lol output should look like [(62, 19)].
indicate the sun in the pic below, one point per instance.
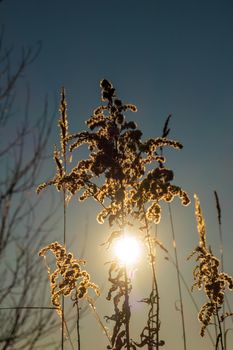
[(127, 250)]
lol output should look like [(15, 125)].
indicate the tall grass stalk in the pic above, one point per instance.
[(77, 319), (63, 125), (220, 337), (178, 276), (64, 242), (126, 301), (154, 284), (127, 311), (226, 301), (165, 132), (219, 213)]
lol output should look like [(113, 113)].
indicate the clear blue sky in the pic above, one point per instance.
[(164, 56)]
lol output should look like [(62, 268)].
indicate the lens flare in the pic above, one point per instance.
[(127, 250)]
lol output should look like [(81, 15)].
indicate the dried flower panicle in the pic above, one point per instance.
[(68, 275), (207, 274), (59, 156), (119, 157), (63, 122)]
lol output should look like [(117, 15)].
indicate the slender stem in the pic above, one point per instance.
[(220, 331), (127, 310), (218, 207), (150, 321), (157, 311), (155, 284), (178, 276), (216, 331), (126, 302), (105, 330), (150, 346), (157, 302), (64, 241), (155, 287), (78, 321), (68, 334), (190, 294)]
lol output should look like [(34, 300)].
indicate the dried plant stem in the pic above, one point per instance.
[(78, 320), (219, 212), (64, 241), (216, 331), (220, 335), (154, 280), (64, 130), (218, 207), (178, 276), (126, 302), (157, 301), (127, 311), (157, 308), (155, 287)]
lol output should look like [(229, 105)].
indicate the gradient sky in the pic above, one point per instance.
[(166, 57)]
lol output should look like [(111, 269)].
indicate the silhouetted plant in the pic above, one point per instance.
[(119, 157), (117, 175), (207, 276)]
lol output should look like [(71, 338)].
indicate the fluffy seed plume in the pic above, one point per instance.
[(68, 275)]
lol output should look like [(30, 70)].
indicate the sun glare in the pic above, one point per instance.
[(127, 250)]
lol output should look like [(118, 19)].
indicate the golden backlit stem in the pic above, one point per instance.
[(178, 276), (127, 310), (127, 307), (63, 126), (219, 212), (78, 319)]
